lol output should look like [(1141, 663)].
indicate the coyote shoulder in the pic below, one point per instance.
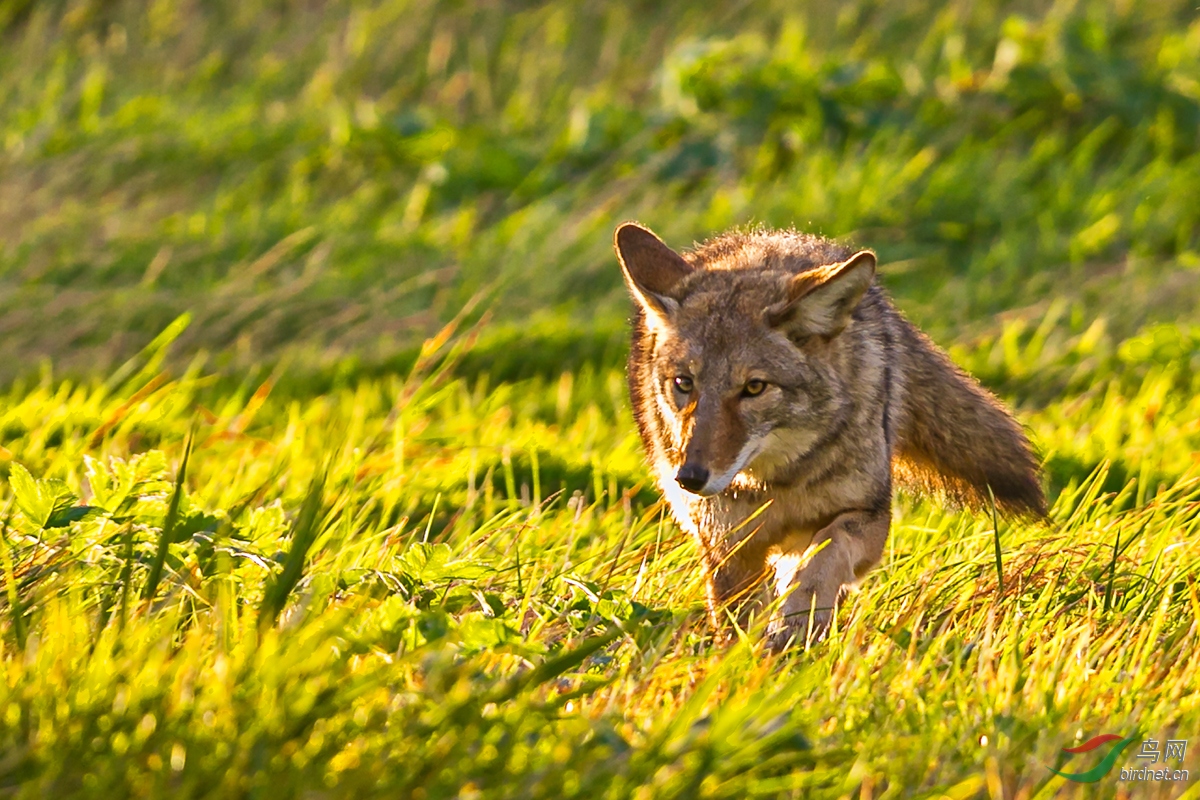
[(770, 375)]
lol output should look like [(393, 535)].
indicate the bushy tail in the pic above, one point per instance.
[(956, 437)]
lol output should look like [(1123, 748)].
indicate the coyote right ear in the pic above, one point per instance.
[(652, 270)]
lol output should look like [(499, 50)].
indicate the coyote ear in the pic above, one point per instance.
[(652, 270), (820, 301)]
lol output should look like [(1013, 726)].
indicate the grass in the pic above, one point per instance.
[(281, 519)]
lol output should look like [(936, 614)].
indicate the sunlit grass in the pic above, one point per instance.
[(424, 585)]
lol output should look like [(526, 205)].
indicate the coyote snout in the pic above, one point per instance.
[(770, 375), (693, 477), (715, 435)]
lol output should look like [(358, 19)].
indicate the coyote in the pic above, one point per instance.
[(778, 392)]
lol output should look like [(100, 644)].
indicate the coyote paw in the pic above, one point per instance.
[(795, 630)]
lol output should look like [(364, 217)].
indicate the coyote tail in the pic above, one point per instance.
[(956, 437)]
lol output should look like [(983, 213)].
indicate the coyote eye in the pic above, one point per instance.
[(754, 388), (683, 384)]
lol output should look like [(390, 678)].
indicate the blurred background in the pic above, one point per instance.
[(328, 183)]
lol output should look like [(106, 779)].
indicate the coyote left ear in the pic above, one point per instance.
[(652, 270), (820, 301)]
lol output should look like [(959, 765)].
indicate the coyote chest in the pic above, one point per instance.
[(777, 393)]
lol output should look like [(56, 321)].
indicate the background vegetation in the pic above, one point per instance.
[(320, 479)]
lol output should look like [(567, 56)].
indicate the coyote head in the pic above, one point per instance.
[(743, 349)]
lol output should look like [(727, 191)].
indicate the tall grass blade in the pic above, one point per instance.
[(126, 574), (150, 358), (304, 533), (996, 542), (16, 608), (1112, 574), (169, 522)]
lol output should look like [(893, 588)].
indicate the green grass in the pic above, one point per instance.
[(429, 583), (281, 519)]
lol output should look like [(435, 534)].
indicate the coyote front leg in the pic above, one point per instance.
[(735, 574), (811, 580)]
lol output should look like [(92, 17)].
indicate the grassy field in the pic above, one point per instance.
[(319, 477)]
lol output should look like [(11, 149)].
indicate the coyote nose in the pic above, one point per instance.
[(692, 477)]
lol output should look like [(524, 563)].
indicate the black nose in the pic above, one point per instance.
[(692, 477)]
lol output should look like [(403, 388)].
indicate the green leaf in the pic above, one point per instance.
[(425, 562), (64, 516), (478, 634), (28, 494), (431, 564), (42, 502)]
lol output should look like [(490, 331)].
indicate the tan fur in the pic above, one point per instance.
[(771, 376)]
